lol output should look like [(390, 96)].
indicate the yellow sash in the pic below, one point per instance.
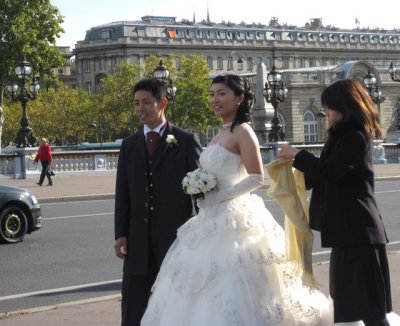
[(288, 188)]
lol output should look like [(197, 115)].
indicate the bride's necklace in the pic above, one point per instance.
[(226, 125)]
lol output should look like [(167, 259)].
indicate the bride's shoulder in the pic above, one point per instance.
[(243, 130)]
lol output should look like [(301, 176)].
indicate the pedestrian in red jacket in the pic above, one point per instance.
[(45, 157)]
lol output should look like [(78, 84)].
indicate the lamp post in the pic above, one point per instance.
[(95, 125), (23, 70), (371, 85), (392, 72), (239, 58), (275, 93), (162, 74)]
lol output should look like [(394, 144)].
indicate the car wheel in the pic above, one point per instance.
[(13, 224)]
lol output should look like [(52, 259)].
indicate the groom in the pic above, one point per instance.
[(150, 204)]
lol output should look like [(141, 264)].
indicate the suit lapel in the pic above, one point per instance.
[(141, 147)]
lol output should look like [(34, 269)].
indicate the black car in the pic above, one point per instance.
[(20, 214)]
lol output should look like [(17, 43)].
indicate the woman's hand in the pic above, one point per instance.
[(288, 152)]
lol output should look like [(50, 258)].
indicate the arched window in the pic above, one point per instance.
[(282, 122), (310, 127)]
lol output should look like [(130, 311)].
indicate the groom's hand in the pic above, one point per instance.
[(120, 247)]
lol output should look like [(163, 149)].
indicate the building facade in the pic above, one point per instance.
[(308, 57)]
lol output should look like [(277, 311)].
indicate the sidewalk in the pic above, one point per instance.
[(105, 311), (102, 185)]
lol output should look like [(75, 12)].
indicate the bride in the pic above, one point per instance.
[(228, 265)]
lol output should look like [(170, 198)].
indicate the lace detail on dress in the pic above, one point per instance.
[(231, 259)]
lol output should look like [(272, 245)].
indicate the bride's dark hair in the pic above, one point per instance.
[(240, 86)]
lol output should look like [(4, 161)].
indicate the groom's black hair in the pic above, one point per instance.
[(152, 85)]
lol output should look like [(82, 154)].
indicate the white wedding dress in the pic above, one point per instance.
[(228, 266)]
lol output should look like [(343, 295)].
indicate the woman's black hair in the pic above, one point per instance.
[(353, 101), (240, 86)]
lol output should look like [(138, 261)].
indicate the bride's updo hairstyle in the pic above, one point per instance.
[(240, 86)]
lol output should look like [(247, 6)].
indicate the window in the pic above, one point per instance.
[(102, 64), (310, 127), (230, 63), (116, 61), (210, 63), (250, 63), (286, 62), (220, 63), (282, 122), (86, 64), (268, 62), (141, 32), (106, 34), (88, 86)]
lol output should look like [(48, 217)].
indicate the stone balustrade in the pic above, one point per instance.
[(20, 164)]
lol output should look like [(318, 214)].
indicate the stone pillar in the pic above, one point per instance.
[(263, 111), (27, 155), (393, 133)]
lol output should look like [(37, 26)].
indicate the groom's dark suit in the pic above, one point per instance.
[(150, 206)]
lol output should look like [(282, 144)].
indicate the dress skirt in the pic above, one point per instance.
[(359, 283)]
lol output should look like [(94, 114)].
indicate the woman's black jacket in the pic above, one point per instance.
[(343, 207)]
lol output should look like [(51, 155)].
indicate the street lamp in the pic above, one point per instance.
[(239, 58), (23, 70), (162, 74), (392, 72), (370, 84), (95, 125), (275, 93)]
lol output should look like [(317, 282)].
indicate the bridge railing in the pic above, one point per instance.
[(20, 165)]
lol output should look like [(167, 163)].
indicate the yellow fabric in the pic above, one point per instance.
[(288, 188)]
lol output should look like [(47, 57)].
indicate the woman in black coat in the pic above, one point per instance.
[(343, 207)]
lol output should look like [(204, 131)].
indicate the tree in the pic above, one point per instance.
[(191, 108), (61, 114), (113, 102), (28, 30)]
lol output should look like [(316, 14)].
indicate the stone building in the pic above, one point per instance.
[(308, 57)]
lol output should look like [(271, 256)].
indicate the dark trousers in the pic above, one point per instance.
[(135, 294), (45, 169)]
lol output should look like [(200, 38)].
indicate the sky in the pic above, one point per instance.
[(81, 15)]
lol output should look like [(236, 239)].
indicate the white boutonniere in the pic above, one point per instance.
[(171, 141)]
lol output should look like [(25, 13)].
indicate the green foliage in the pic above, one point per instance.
[(28, 29), (63, 115), (113, 103), (192, 109), (59, 114)]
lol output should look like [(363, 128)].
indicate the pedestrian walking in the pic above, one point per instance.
[(46, 158)]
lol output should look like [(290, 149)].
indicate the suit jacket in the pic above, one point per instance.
[(343, 207), (150, 204)]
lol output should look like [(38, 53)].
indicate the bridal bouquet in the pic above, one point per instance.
[(198, 182)]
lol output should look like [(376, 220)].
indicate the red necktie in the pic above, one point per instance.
[(152, 139)]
